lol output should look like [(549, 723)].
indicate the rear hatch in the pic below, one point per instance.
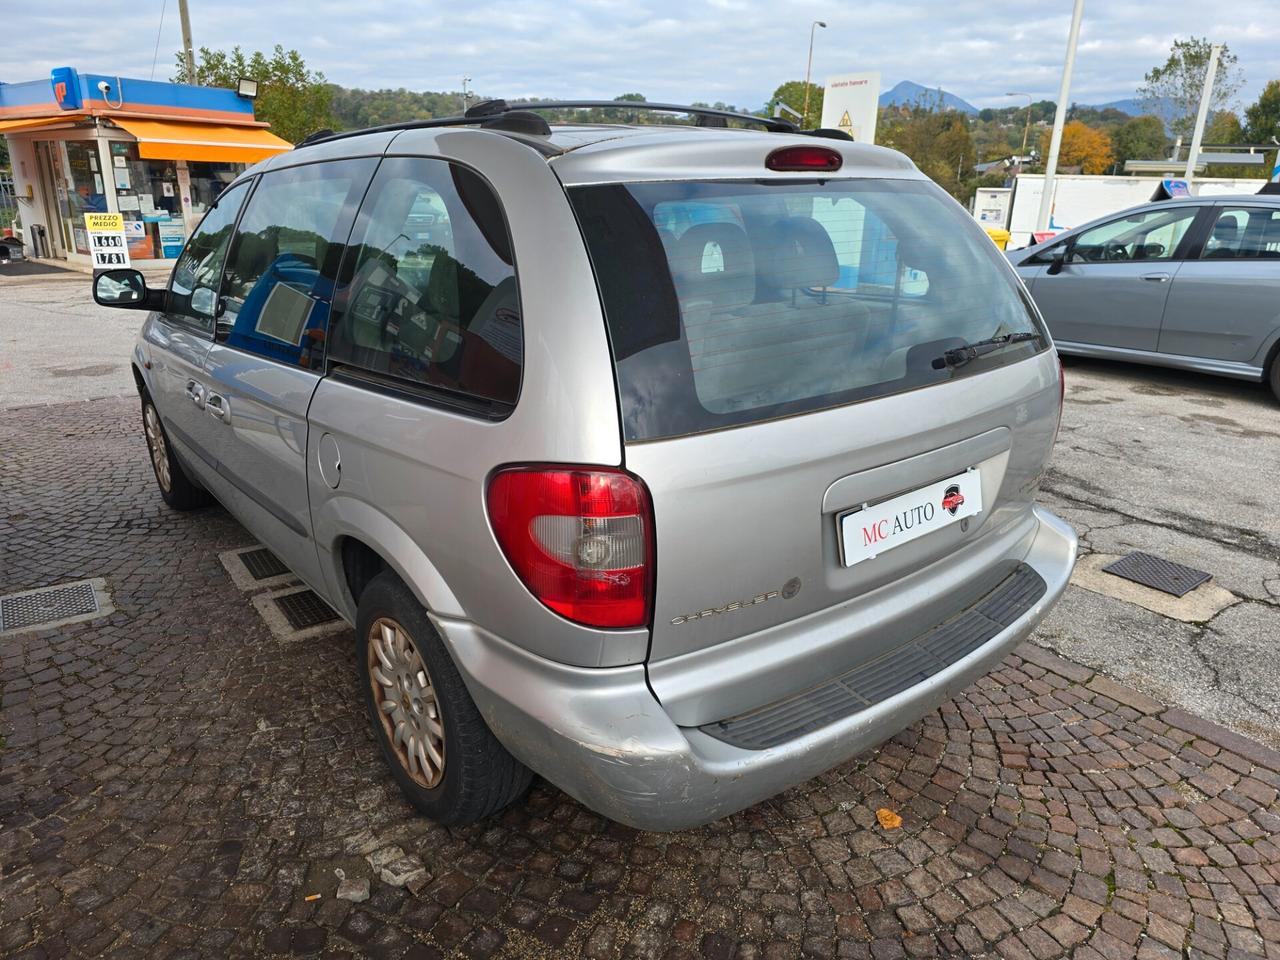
[(796, 395)]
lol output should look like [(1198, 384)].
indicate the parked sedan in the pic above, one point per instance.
[(1191, 283)]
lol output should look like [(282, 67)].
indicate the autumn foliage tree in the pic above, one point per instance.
[(1083, 147), (296, 101)]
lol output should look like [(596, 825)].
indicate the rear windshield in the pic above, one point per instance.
[(734, 302)]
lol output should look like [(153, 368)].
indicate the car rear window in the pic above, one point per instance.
[(730, 303)]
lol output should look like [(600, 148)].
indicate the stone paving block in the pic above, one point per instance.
[(159, 796)]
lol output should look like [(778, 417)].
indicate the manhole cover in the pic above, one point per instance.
[(53, 606), (1157, 573), (262, 564), (304, 609)]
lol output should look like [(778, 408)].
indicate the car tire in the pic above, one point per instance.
[(178, 490), (1274, 376), (443, 756)]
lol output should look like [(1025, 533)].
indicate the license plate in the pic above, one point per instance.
[(870, 531)]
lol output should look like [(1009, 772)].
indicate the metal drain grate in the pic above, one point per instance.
[(262, 563), (304, 609), (1157, 573), (48, 605)]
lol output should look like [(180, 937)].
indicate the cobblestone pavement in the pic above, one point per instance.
[(174, 782)]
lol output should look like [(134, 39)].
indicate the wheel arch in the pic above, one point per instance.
[(363, 541)]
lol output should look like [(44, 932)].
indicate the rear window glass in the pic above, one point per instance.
[(732, 303)]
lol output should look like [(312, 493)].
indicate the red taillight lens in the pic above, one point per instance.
[(809, 159), (580, 540)]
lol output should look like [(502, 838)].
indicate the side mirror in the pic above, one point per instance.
[(125, 288), (1058, 260)]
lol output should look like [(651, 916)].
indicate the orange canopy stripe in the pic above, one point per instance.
[(209, 142), (37, 123)]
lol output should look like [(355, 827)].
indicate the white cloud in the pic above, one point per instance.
[(732, 50)]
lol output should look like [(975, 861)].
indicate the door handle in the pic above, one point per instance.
[(1156, 277), (218, 407), (195, 393)]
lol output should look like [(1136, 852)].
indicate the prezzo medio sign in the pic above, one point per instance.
[(106, 240)]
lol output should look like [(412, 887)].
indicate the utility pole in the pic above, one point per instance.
[(1059, 120), (1026, 129), (465, 97), (1205, 96), (188, 53), (809, 68)]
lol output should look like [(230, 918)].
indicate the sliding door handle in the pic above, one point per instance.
[(218, 407)]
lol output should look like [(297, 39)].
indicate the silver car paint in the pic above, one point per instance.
[(1211, 316), (573, 702), (601, 736), (426, 469)]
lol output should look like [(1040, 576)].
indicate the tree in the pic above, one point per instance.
[(1173, 91), (1262, 120), (1083, 147), (1141, 138), (937, 141), (1224, 127), (791, 93), (294, 100)]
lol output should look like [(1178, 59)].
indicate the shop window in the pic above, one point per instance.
[(85, 190), (148, 198), (280, 274), (208, 180)]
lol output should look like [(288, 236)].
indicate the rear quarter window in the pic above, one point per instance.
[(729, 303)]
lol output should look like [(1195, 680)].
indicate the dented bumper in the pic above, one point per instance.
[(601, 736)]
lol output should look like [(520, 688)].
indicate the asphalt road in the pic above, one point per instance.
[(57, 345), (1180, 465)]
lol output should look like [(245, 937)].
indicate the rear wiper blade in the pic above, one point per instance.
[(958, 356)]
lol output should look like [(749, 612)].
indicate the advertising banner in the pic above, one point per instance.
[(851, 102), (172, 238)]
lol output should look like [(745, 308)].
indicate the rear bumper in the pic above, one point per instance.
[(600, 735)]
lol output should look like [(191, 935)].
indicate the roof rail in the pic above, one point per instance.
[(486, 112), (772, 124)]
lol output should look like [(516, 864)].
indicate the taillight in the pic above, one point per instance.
[(807, 159), (581, 540)]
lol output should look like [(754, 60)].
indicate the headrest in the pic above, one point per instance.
[(1226, 229), (713, 261), (798, 253)]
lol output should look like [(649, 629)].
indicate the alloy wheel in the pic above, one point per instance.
[(156, 445), (406, 702)]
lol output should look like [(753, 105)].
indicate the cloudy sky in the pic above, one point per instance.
[(732, 50)]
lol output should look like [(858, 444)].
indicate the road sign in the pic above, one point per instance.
[(106, 240), (850, 103)]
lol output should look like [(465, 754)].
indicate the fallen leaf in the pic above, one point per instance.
[(888, 819)]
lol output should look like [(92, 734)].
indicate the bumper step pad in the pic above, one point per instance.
[(871, 683)]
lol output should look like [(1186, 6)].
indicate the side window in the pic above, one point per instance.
[(430, 289), (193, 291), (284, 259), (1244, 233), (1150, 235)]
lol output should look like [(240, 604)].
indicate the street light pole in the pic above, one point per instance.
[(809, 68), (1059, 120), (1026, 130)]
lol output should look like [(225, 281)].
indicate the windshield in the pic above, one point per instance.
[(734, 302)]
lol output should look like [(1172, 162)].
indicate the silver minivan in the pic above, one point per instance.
[(678, 463)]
